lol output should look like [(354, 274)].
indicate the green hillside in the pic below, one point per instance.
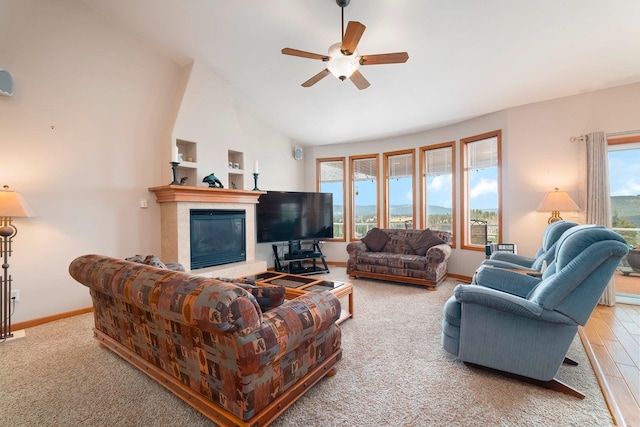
[(626, 208)]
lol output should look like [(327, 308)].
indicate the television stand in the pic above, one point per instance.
[(300, 258)]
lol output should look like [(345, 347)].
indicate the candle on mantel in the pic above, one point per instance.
[(255, 167), (174, 153)]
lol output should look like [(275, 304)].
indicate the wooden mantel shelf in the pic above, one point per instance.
[(185, 193)]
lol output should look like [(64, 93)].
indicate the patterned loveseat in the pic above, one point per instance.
[(208, 341), (399, 261)]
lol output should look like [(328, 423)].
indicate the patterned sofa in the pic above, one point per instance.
[(398, 261), (208, 341)]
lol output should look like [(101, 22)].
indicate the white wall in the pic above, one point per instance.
[(537, 156), (88, 131)]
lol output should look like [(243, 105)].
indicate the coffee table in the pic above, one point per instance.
[(297, 285)]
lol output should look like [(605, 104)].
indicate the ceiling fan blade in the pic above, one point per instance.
[(303, 54), (359, 80), (351, 37), (384, 58), (315, 79)]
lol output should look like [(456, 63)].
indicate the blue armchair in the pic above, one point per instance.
[(546, 252), (526, 334)]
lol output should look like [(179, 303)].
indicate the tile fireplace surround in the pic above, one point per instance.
[(176, 202)]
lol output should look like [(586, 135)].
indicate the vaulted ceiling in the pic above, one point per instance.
[(466, 58)]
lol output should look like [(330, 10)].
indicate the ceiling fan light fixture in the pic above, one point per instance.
[(340, 65)]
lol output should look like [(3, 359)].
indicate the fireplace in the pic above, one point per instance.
[(218, 236), (177, 202)]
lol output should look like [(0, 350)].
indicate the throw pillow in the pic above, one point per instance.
[(423, 241), (375, 240), (155, 262), (268, 297)]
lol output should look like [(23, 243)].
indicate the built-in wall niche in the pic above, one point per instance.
[(236, 169), (187, 156)]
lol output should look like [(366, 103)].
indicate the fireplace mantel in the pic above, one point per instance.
[(176, 202), (185, 193)]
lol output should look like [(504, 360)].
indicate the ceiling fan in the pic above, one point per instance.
[(343, 60)]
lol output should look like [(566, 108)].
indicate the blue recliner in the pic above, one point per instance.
[(544, 255), (527, 335)]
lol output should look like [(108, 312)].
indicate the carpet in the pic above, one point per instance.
[(394, 372)]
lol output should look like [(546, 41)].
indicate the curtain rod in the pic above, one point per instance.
[(583, 137)]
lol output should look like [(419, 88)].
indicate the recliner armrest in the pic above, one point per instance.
[(508, 303), (508, 257), (505, 280)]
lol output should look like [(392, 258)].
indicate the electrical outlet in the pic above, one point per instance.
[(15, 295)]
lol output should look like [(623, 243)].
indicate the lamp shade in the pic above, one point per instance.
[(13, 205), (558, 201)]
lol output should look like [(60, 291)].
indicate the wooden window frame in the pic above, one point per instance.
[(352, 193), (464, 203), (344, 192), (423, 186), (385, 188)]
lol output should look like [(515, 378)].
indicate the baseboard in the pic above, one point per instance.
[(47, 319), (337, 263), (459, 277), (609, 398)]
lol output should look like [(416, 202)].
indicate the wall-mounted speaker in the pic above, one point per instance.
[(297, 153), (6, 83)]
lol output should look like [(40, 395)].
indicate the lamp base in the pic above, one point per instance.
[(555, 216), (16, 335)]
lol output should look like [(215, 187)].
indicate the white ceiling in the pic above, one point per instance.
[(466, 57)]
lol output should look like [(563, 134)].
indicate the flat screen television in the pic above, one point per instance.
[(289, 215)]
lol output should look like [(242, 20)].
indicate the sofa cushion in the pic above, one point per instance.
[(423, 241), (375, 240)]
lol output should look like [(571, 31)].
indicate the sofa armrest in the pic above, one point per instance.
[(288, 326), (438, 254), (354, 248)]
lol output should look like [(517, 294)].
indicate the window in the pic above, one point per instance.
[(364, 194), (398, 195), (438, 187), (481, 198), (331, 179), (624, 189)]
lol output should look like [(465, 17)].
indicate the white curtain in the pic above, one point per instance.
[(597, 200)]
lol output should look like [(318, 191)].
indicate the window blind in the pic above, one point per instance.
[(482, 154), (332, 171), (401, 166), (439, 161), (364, 169)]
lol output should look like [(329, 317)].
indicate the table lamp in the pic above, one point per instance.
[(556, 201)]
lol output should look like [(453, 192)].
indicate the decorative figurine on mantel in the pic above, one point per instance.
[(213, 181)]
